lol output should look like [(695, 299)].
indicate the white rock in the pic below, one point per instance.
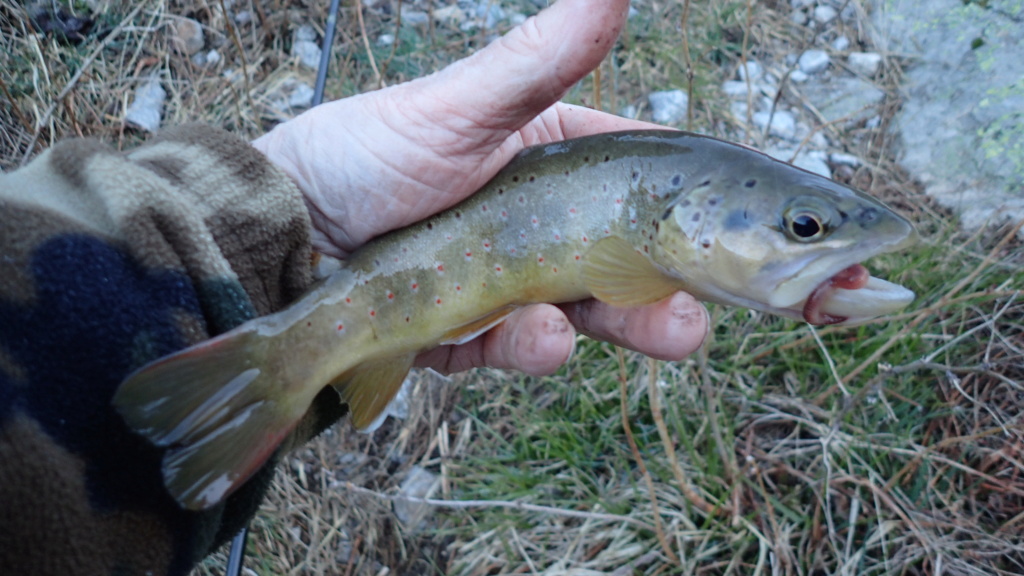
[(668, 107), (420, 483), (212, 57), (304, 33), (824, 14), (844, 159), (865, 63), (736, 88), (516, 18), (798, 17), (797, 4), (450, 14), (307, 52), (385, 40), (813, 161), (783, 124), (147, 107), (814, 61), (243, 17), (751, 69), (840, 44), (628, 111), (798, 76), (301, 96)]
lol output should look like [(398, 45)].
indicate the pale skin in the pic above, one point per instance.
[(385, 159)]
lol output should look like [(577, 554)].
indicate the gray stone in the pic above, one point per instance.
[(385, 40), (301, 96), (750, 69), (308, 53), (783, 124), (187, 36), (304, 33), (840, 44), (798, 76), (854, 99), (145, 110), (413, 17), (844, 159), (824, 14), (628, 111), (814, 61), (212, 57), (668, 107), (419, 483), (962, 120), (865, 63), (799, 17)]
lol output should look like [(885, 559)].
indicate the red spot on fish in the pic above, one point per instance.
[(584, 239), (440, 267), (348, 300), (469, 254), (504, 214), (540, 259), (483, 208), (406, 318), (391, 295), (558, 237), (577, 256), (521, 199), (487, 246), (618, 200), (308, 324), (438, 301), (458, 288), (396, 258), (512, 251), (341, 328), (373, 313), (415, 286), (555, 270), (572, 210), (497, 268)]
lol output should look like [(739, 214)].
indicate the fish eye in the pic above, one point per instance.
[(805, 226)]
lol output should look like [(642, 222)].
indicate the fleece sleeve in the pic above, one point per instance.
[(109, 260)]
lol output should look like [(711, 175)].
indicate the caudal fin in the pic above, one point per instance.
[(217, 409)]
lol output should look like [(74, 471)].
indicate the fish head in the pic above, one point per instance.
[(759, 233)]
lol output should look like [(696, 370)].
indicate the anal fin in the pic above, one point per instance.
[(617, 273), (371, 386)]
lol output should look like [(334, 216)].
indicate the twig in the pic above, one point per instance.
[(459, 504), (624, 404), (241, 54), (366, 43), (684, 24), (684, 484), (74, 80)]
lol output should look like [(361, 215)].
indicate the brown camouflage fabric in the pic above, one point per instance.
[(109, 260)]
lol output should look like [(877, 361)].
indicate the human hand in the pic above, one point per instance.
[(385, 159)]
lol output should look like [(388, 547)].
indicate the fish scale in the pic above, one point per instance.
[(628, 218)]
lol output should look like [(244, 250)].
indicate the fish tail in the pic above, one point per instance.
[(217, 408)]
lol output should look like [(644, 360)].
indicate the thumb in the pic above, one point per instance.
[(521, 74)]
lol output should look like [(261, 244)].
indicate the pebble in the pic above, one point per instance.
[(243, 17), (783, 124), (668, 107), (840, 44), (824, 14), (301, 96), (814, 61), (187, 36), (750, 69), (865, 63), (798, 76), (419, 483), (844, 159), (385, 40), (307, 52), (212, 57), (304, 33), (798, 17), (413, 17), (736, 88), (148, 105), (628, 111)]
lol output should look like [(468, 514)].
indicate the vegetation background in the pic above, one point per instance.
[(892, 448)]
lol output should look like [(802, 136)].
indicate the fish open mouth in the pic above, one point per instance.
[(852, 296)]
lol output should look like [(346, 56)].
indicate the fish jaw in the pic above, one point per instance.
[(841, 291)]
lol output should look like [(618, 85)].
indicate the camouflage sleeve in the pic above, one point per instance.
[(109, 260)]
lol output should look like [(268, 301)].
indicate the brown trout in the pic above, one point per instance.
[(628, 218)]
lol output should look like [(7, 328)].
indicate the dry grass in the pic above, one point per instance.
[(895, 448)]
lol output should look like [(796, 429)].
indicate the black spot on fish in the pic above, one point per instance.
[(607, 158), (586, 159), (704, 184), (430, 225), (712, 201), (458, 214), (677, 180), (532, 178), (750, 183), (501, 191), (515, 178), (636, 175), (867, 216), (684, 203), (705, 243), (695, 217)]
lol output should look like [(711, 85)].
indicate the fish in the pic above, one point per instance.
[(628, 218)]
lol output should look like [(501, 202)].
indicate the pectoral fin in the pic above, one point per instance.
[(466, 332), (617, 273), (370, 387)]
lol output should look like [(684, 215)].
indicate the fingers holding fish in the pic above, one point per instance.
[(535, 340), (670, 329)]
